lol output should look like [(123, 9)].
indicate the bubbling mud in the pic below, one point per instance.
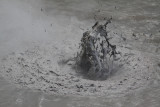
[(52, 68), (97, 55)]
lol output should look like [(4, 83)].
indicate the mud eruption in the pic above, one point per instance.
[(107, 64), (97, 54)]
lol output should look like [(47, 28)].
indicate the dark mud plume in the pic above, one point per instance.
[(97, 55)]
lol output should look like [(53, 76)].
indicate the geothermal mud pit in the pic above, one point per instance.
[(53, 68)]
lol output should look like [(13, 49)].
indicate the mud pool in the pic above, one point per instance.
[(40, 34)]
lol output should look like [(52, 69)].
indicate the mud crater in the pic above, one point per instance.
[(56, 69)]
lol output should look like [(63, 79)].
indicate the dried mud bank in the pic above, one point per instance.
[(50, 68)]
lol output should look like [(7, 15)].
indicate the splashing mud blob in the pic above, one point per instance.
[(97, 54)]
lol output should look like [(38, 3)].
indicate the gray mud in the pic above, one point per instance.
[(40, 38), (49, 68)]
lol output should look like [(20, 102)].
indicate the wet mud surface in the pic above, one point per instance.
[(39, 40), (50, 68)]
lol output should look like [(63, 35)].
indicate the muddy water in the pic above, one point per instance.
[(28, 21), (10, 96)]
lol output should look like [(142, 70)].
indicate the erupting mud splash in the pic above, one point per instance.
[(97, 53)]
